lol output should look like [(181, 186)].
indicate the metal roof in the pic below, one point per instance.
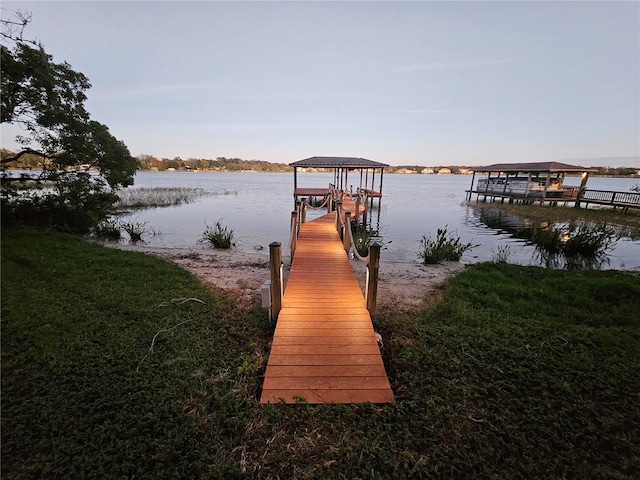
[(533, 167), (337, 162)]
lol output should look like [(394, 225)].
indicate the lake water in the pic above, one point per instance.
[(259, 213)]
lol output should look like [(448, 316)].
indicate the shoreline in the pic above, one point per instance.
[(401, 286)]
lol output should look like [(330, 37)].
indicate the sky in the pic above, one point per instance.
[(404, 83)]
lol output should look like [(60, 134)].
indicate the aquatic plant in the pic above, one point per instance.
[(502, 254), (587, 239), (149, 197), (218, 236), (363, 235), (441, 248), (108, 229), (135, 230)]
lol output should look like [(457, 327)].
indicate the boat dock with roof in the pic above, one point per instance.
[(324, 348), (543, 182)]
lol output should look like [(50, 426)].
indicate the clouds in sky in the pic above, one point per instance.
[(400, 82)]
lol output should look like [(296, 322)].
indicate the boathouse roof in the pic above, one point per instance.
[(533, 167), (337, 162)]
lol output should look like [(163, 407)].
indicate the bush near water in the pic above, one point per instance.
[(109, 370)]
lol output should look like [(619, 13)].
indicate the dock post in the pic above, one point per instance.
[(372, 276), (293, 233), (338, 214), (303, 210), (275, 266), (346, 238)]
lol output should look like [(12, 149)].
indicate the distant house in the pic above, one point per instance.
[(428, 170), (444, 171)]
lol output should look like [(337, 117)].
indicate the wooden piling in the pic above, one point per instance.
[(346, 237), (293, 233), (373, 268), (275, 267)]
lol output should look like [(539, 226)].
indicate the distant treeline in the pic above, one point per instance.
[(222, 164)]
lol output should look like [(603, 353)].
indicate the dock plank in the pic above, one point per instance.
[(324, 348)]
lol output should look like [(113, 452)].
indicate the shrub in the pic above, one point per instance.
[(73, 203), (442, 248), (218, 236)]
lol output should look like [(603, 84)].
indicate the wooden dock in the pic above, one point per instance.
[(324, 348)]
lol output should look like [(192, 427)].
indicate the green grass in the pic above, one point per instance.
[(513, 372)]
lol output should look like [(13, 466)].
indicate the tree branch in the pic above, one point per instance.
[(22, 153)]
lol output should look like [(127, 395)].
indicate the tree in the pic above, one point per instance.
[(46, 99)]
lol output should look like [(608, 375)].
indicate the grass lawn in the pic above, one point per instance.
[(514, 372)]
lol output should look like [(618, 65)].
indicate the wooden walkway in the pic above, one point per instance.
[(324, 348)]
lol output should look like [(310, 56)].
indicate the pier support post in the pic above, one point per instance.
[(303, 210), (275, 266), (293, 234), (338, 214), (372, 276), (346, 237)]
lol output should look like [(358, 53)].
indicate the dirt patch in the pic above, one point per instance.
[(401, 286)]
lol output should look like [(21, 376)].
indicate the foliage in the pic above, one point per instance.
[(222, 164), (46, 100), (71, 203), (218, 236), (502, 254), (108, 229), (559, 213), (442, 247), (148, 197), (363, 235), (135, 230), (586, 239), (512, 365)]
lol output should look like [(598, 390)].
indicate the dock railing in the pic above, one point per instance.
[(606, 197), (343, 225), (343, 221)]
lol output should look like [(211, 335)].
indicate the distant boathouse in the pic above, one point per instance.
[(542, 182)]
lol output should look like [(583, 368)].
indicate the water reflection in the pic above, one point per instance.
[(571, 245)]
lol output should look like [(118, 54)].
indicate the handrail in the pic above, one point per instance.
[(611, 196)]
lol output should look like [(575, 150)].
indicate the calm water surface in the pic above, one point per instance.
[(259, 212)]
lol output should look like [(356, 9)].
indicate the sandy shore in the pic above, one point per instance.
[(401, 287)]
